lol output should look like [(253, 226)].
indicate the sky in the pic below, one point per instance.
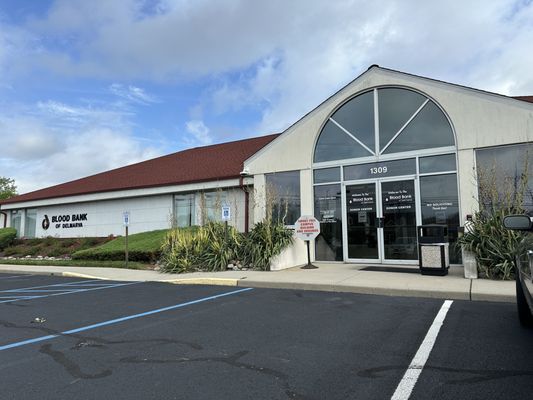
[(87, 86)]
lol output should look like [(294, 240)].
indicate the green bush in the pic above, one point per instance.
[(7, 237), (266, 240), (494, 246), (212, 248), (144, 247)]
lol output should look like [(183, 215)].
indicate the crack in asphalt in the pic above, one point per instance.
[(480, 375), (231, 360), (70, 366)]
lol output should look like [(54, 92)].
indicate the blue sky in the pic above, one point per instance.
[(86, 86)]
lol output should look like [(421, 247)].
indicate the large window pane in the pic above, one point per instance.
[(442, 163), (328, 210), (334, 144), (185, 210), (16, 220), (428, 129), (30, 223), (440, 205), (283, 193), (212, 204), (357, 117), (396, 106), (505, 174)]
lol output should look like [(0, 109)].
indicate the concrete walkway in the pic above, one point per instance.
[(335, 277)]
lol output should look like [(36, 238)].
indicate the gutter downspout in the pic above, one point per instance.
[(246, 203)]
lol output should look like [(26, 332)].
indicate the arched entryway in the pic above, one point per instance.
[(384, 162)]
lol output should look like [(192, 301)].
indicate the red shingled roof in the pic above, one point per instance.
[(524, 98), (200, 164)]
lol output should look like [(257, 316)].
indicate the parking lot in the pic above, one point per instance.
[(63, 338)]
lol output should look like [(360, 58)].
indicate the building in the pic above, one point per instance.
[(386, 153)]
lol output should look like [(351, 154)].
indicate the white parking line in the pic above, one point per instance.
[(58, 290), (408, 382)]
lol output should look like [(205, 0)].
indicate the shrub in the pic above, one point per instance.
[(212, 248), (7, 237), (494, 246), (266, 240)]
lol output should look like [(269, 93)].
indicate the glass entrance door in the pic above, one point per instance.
[(381, 221), (398, 210), (362, 221)]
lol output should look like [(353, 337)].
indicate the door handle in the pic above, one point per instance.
[(380, 222)]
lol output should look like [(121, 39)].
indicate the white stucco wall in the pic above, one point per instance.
[(105, 217)]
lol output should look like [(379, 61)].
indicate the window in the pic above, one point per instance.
[(212, 206), (283, 193), (326, 175), (328, 210), (444, 163), (440, 205), (505, 176), (30, 223), (184, 210), (408, 121), (16, 219)]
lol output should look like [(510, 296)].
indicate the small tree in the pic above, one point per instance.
[(7, 188)]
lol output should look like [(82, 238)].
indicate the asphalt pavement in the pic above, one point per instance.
[(63, 338)]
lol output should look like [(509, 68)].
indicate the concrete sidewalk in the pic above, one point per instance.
[(328, 277)]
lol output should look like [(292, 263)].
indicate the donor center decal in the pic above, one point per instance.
[(65, 221)]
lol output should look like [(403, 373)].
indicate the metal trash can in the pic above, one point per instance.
[(433, 249)]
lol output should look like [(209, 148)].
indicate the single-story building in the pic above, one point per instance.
[(386, 153)]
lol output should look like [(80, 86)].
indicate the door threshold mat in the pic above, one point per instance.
[(407, 270)]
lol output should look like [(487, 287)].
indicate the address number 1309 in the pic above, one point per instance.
[(378, 170)]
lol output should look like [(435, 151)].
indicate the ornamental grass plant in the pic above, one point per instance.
[(213, 248), (494, 246)]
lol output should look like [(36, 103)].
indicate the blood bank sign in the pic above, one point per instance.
[(307, 227)]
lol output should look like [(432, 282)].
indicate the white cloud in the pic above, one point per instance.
[(275, 58), (57, 142), (132, 93), (199, 132)]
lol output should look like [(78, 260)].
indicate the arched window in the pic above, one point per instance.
[(406, 121)]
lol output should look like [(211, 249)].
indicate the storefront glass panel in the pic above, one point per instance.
[(328, 210), (440, 205), (30, 223), (185, 210), (505, 172), (16, 220), (283, 193)]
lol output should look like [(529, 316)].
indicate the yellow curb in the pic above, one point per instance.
[(204, 281), (76, 275)]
